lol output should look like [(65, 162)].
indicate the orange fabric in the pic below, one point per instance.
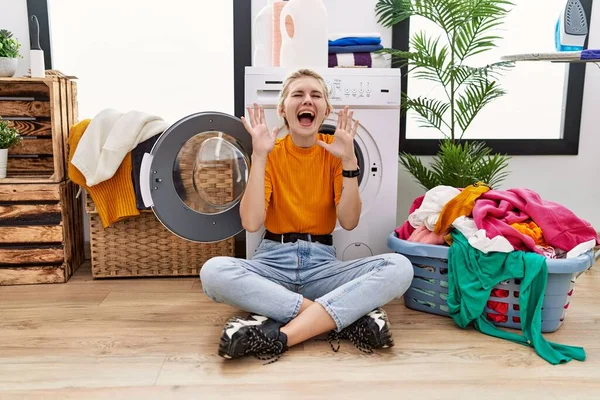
[(460, 205), (114, 198), (532, 230), (303, 187)]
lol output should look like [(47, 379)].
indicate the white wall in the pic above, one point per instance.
[(171, 59), (13, 17), (573, 181)]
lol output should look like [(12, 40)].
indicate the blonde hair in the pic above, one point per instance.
[(286, 88)]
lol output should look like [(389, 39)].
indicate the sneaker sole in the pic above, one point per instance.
[(234, 324), (386, 336)]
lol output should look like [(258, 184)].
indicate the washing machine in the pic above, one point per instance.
[(196, 173), (374, 95)]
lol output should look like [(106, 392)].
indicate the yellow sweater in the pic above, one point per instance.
[(303, 187), (115, 197)]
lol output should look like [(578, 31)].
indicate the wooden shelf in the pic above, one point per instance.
[(19, 178), (42, 110)]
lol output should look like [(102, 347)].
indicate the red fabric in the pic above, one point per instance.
[(495, 210), (499, 307), (499, 293), (497, 317), (405, 230)]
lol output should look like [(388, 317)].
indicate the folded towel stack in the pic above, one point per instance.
[(357, 50)]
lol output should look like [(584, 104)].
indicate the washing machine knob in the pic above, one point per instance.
[(330, 88)]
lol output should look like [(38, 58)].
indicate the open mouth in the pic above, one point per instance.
[(306, 118)]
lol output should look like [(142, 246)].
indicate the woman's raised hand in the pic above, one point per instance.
[(263, 141), (343, 143)]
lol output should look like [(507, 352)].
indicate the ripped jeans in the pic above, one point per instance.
[(274, 282)]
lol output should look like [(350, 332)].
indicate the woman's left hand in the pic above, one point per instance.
[(343, 143)]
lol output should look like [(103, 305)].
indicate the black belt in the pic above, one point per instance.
[(292, 237)]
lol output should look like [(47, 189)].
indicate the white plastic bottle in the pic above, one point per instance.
[(262, 37), (304, 30)]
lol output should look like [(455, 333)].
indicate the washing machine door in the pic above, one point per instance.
[(196, 174)]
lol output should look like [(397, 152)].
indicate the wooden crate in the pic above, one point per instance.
[(41, 233), (43, 110), (141, 246)]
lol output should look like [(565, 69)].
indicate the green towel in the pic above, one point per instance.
[(473, 274)]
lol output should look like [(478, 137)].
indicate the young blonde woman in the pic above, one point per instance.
[(294, 287)]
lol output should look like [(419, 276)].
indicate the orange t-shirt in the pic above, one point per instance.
[(303, 187)]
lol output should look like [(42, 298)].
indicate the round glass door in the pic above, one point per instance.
[(198, 174), (210, 172)]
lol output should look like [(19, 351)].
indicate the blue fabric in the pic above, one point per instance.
[(352, 41), (590, 54), (277, 278), (367, 48)]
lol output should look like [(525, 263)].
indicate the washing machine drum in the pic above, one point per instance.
[(196, 174)]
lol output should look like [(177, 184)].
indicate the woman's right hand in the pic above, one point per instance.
[(263, 141)]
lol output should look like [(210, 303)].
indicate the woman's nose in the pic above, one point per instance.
[(307, 100)]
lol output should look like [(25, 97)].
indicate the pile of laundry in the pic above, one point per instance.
[(105, 155), (357, 50), (494, 236), (498, 221)]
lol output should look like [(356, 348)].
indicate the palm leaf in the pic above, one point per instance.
[(463, 74), (471, 35), (430, 111), (475, 97), (425, 177), (493, 169), (444, 13)]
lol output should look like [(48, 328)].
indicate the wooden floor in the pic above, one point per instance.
[(157, 339)]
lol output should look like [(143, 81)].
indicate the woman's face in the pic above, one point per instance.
[(305, 107)]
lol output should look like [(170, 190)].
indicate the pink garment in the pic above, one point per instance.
[(424, 235), (495, 210), (405, 230)]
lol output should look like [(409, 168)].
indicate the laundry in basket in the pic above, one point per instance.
[(434, 291)]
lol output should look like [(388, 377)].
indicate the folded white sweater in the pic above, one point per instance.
[(107, 140)]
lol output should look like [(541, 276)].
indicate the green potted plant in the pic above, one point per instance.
[(8, 138), (466, 27), (9, 53)]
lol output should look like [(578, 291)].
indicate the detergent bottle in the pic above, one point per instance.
[(303, 25), (261, 37)]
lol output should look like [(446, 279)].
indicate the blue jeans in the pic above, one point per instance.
[(274, 282)]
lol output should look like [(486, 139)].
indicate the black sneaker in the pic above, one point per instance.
[(367, 333), (255, 335)]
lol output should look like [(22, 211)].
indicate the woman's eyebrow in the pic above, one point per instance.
[(302, 91)]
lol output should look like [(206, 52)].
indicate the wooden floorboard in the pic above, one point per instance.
[(157, 339)]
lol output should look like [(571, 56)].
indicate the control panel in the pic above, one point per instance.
[(345, 87)]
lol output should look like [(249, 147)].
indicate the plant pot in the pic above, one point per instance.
[(8, 66), (3, 162)]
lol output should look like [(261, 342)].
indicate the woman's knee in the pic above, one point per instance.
[(399, 272), (212, 274)]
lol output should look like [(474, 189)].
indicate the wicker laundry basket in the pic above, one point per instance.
[(141, 246), (429, 289)]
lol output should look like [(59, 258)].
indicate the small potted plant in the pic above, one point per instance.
[(9, 53), (9, 137)]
